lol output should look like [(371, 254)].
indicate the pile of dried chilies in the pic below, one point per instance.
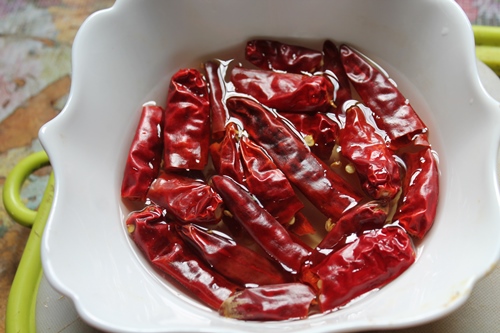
[(222, 175)]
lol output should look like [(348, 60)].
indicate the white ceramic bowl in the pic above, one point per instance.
[(125, 56)]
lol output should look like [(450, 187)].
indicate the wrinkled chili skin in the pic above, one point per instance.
[(187, 122), (262, 226), (268, 183), (418, 204), (284, 91), (168, 253), (320, 128), (374, 161), (218, 112), (333, 63), (235, 262), (189, 200), (274, 55), (226, 155), (274, 302), (145, 154), (394, 114), (324, 188), (371, 261)]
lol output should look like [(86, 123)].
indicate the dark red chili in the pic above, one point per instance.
[(274, 302), (215, 71), (394, 114), (268, 183), (168, 253), (319, 130), (145, 154), (236, 262), (185, 198), (366, 149), (418, 204), (274, 55), (284, 91), (261, 225), (187, 122), (369, 262), (323, 187), (332, 64)]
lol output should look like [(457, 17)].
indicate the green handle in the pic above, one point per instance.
[(12, 188)]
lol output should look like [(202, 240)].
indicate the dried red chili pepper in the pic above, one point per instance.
[(394, 113), (167, 252), (274, 302), (333, 63), (301, 225), (274, 55), (215, 71), (366, 149), (145, 154), (187, 122), (370, 262), (226, 155), (284, 91), (324, 188), (261, 225), (188, 199), (268, 183), (235, 262), (418, 204), (319, 130), (368, 216)]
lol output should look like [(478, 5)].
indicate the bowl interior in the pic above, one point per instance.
[(124, 57)]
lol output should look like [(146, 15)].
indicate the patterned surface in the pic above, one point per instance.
[(35, 65)]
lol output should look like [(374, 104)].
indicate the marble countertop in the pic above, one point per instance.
[(36, 38)]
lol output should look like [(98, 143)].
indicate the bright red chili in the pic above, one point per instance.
[(187, 122), (319, 130), (268, 183), (215, 71), (369, 262), (417, 208), (261, 225), (366, 149), (274, 55), (145, 154), (394, 114), (284, 91), (188, 199), (274, 302), (332, 63), (168, 253), (235, 262), (323, 187)]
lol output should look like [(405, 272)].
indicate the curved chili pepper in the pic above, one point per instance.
[(417, 208), (268, 183), (168, 253), (235, 262), (394, 113), (333, 63), (366, 149), (145, 154), (188, 199), (274, 302), (373, 260), (324, 188), (215, 71), (187, 122), (226, 155), (284, 91), (261, 225), (319, 130), (274, 55), (367, 216)]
